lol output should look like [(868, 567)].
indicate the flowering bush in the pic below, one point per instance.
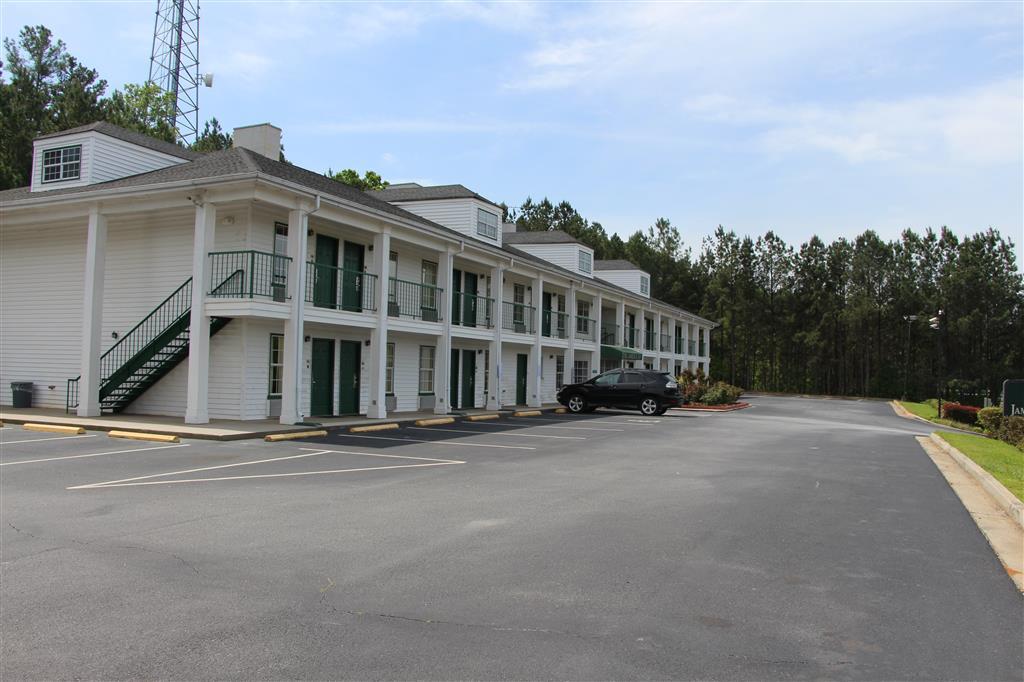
[(965, 414)]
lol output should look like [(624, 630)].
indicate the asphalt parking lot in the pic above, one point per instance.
[(796, 539)]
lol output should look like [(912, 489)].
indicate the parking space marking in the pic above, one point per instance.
[(92, 454), (630, 422), (496, 433), (40, 440), (435, 442), (147, 480), (552, 426)]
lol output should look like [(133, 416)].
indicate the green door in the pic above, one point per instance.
[(321, 392), (522, 367), (348, 377), (352, 278), (469, 299), (545, 319), (456, 298), (453, 386), (325, 281), (468, 379)]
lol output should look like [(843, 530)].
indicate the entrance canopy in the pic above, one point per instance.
[(619, 353)]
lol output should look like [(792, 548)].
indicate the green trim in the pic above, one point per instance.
[(619, 353)]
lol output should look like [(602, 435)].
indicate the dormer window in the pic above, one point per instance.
[(486, 224), (63, 163), (586, 261), (645, 284)]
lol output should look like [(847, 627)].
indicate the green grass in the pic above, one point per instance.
[(1002, 460), (929, 410)]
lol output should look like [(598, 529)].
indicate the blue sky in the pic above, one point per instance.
[(804, 118)]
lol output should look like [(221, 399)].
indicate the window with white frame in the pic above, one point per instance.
[(426, 369), (586, 261), (486, 224), (559, 371), (276, 366), (63, 163), (392, 276), (583, 317), (280, 249), (519, 300), (428, 294), (580, 371), (389, 371), (645, 284)]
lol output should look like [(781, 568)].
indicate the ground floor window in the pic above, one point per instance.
[(276, 365), (389, 370), (559, 371), (580, 371), (426, 369)]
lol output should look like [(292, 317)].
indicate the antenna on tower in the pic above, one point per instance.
[(174, 62)]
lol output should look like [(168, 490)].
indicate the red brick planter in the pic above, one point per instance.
[(713, 408)]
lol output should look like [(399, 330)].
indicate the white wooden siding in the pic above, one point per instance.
[(103, 158), (456, 214), (562, 255), (627, 279)]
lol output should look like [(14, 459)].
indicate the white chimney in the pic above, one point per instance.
[(262, 138)]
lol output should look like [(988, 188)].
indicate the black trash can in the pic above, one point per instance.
[(22, 391)]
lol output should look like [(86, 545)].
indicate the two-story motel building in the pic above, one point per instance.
[(316, 299)]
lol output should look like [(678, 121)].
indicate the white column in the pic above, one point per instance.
[(495, 369), (92, 314), (443, 356), (595, 356), (620, 323), (569, 374), (293, 371), (658, 354), (533, 389), (197, 396), (377, 405)]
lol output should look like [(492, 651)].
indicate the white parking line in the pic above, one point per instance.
[(498, 433), (40, 440), (630, 422), (436, 442), (552, 426), (146, 480), (92, 454)]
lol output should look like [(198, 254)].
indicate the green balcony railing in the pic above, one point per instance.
[(649, 340), (610, 334), (666, 343), (631, 339), (415, 300), (692, 349), (249, 274), (586, 328), (679, 345), (340, 289), (518, 317), (470, 310), (554, 324)]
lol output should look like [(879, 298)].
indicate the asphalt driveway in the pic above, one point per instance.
[(796, 539)]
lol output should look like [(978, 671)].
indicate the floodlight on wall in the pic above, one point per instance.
[(208, 80)]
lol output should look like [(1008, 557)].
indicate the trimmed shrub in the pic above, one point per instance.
[(1011, 430), (722, 394), (965, 414), (990, 419)]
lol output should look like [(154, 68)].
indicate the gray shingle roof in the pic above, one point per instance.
[(418, 193), (119, 133), (614, 265), (539, 237)]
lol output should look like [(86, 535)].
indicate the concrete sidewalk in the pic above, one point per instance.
[(217, 429)]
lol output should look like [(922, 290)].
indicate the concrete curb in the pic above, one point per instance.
[(906, 414), (1006, 500)]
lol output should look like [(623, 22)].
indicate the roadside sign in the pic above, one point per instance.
[(1013, 397)]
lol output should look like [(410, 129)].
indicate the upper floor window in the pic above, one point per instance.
[(586, 261), (645, 284), (63, 163), (486, 224)]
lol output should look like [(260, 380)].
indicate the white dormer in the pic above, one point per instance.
[(556, 247), (453, 206), (98, 152), (624, 274)]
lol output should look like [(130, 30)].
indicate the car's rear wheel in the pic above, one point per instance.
[(649, 407), (577, 404)]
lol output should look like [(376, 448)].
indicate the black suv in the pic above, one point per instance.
[(650, 391)]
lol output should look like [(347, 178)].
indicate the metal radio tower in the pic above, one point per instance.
[(174, 64)]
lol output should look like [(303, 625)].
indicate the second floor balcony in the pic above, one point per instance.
[(586, 328), (679, 345), (340, 289), (631, 337), (554, 324), (666, 343), (518, 317), (610, 334), (650, 342), (249, 274), (414, 300), (470, 310), (692, 349)]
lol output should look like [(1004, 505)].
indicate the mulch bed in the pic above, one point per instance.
[(713, 408)]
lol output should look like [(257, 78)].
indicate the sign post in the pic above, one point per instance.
[(1013, 397)]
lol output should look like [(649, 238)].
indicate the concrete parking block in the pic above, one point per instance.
[(53, 428), (140, 435), (435, 422), (294, 435), (373, 427)]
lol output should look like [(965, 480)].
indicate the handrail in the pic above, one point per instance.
[(472, 310), (518, 317), (264, 274), (351, 290), (414, 299)]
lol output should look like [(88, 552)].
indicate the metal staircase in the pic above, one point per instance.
[(154, 347)]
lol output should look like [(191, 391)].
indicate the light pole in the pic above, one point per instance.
[(906, 358), (935, 323)]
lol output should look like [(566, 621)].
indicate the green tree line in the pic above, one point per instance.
[(833, 318)]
